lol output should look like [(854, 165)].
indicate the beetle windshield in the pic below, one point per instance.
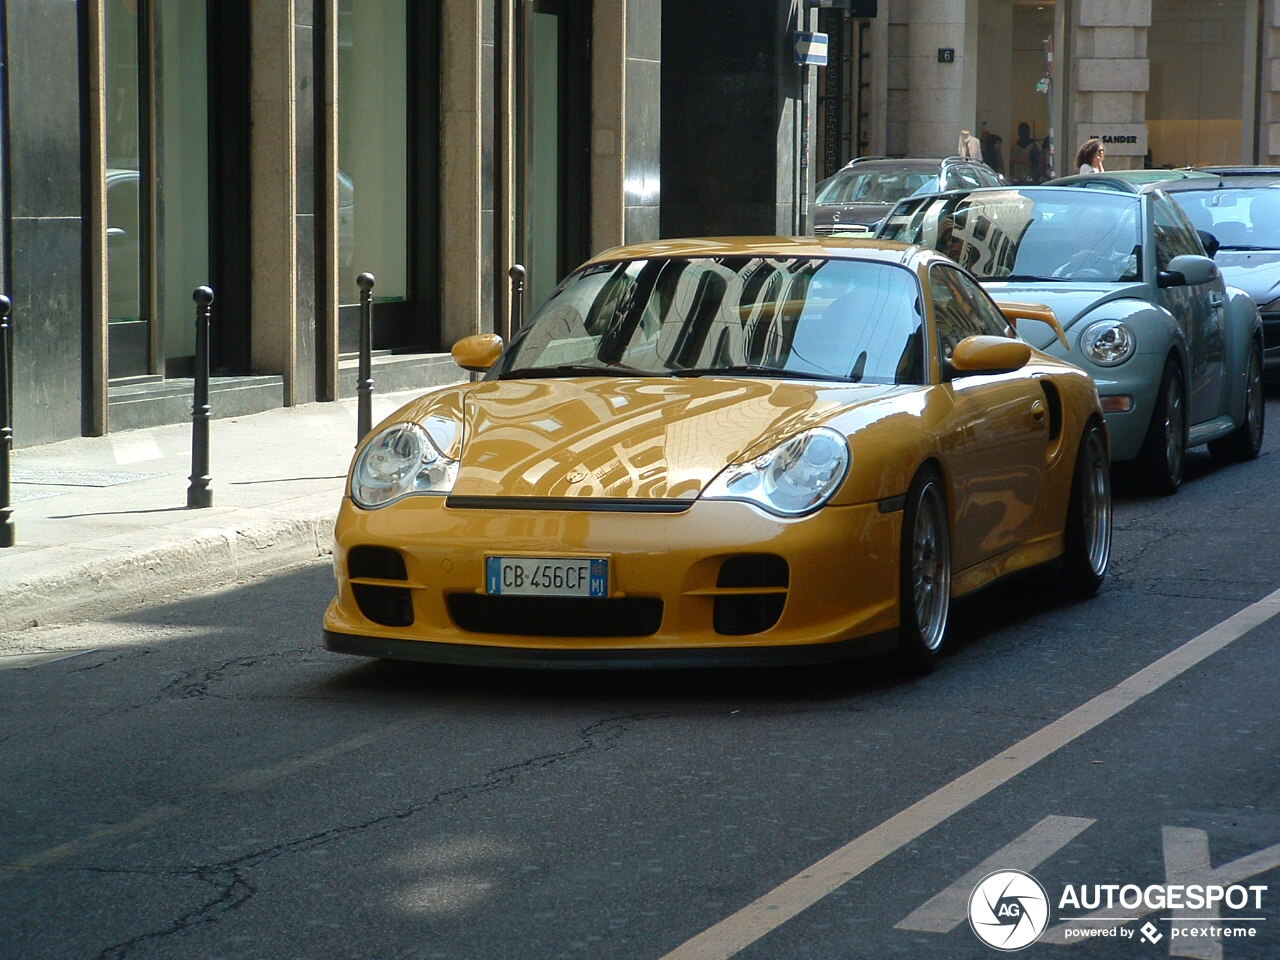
[(800, 317), (1241, 218), (875, 186), (1035, 234)]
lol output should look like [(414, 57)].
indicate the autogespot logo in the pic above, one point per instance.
[(1008, 910)]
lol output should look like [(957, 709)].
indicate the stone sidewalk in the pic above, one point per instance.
[(102, 522)]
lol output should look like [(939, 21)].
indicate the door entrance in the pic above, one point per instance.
[(553, 192)]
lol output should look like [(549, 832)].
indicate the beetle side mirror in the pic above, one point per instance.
[(1187, 270), (979, 355), (477, 353)]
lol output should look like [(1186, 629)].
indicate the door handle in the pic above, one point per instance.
[(1037, 411)]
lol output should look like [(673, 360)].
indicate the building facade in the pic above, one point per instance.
[(1164, 83), (274, 149)]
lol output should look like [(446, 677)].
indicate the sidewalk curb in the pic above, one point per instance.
[(114, 584)]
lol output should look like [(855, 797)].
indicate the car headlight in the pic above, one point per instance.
[(1108, 343), (399, 461), (792, 479)]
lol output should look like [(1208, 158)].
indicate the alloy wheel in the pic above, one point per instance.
[(1097, 504), (931, 566)]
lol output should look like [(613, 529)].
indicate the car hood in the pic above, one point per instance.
[(860, 214), (1070, 302), (624, 437), (1256, 272)]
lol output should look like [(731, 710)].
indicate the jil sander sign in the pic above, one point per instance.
[(1120, 139)]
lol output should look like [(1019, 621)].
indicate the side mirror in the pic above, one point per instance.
[(978, 355), (1209, 241), (477, 353), (1187, 270)]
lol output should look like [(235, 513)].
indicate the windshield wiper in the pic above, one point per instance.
[(579, 369), (1027, 278), (1243, 246), (755, 369)]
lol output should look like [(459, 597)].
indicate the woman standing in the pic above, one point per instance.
[(1090, 156)]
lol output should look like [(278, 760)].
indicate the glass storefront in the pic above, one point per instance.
[(373, 148), (124, 201), (183, 167)]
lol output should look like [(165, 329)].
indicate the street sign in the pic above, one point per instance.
[(811, 49)]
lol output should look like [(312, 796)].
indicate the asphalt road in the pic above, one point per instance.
[(202, 780)]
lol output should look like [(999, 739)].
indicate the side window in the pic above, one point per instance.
[(954, 180), (987, 178), (969, 177), (1174, 235), (961, 309)]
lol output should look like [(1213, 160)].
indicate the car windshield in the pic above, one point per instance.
[(1034, 234), (793, 317), (875, 186), (1243, 218)]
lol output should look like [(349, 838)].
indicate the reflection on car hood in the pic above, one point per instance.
[(653, 438), (845, 213), (1256, 272), (1070, 301)]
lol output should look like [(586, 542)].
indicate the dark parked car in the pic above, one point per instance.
[(864, 190), (1245, 220)]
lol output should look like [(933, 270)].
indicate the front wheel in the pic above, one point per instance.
[(1245, 441), (1087, 537), (1164, 449), (925, 575)]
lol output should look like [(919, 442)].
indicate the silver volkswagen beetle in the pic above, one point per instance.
[(1175, 353)]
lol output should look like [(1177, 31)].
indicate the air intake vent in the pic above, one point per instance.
[(375, 563), (556, 616), (389, 606)]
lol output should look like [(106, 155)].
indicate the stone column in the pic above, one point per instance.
[(941, 97), (608, 121), (1109, 81), (1269, 94), (641, 147)]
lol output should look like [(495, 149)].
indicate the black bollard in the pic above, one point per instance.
[(198, 493), (8, 534), (364, 385), (517, 275)]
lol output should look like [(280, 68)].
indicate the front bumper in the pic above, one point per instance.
[(1137, 378), (841, 595)]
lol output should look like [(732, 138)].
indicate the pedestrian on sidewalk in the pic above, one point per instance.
[(1090, 156)]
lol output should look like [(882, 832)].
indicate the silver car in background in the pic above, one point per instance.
[(1175, 353)]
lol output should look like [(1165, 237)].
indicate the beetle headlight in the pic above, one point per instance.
[(1108, 343), (399, 461), (792, 479)]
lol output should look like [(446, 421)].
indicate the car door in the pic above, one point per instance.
[(1198, 309), (995, 441)]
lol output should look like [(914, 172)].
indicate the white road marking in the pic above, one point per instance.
[(946, 911), (759, 918), (1186, 861)]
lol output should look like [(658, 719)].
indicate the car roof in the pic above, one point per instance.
[(1224, 183), (1119, 184), (885, 251), (1243, 170), (871, 163)]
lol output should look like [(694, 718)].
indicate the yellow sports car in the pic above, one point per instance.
[(724, 451)]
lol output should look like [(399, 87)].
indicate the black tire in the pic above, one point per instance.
[(1160, 462), (1087, 537), (924, 575), (1245, 441)]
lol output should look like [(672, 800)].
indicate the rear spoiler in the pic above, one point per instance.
[(1015, 310)]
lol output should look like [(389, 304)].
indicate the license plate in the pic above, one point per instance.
[(547, 576)]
